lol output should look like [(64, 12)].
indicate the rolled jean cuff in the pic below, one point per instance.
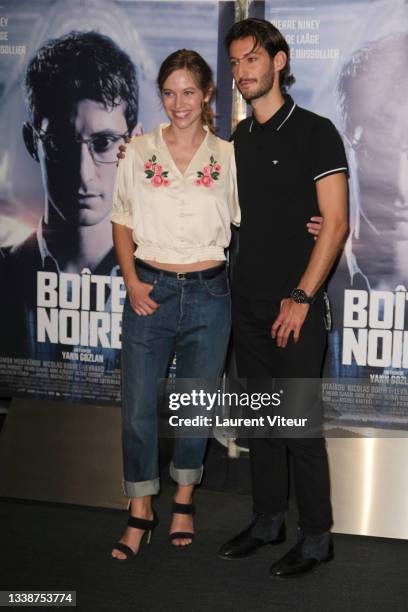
[(141, 489), (190, 476)]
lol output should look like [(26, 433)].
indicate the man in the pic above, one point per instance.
[(82, 98), (290, 165)]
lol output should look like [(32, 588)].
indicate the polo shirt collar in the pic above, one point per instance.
[(278, 119)]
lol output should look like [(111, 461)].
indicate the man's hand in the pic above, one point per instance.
[(313, 227), (140, 301), (290, 320), (122, 148)]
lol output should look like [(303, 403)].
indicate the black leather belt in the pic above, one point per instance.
[(202, 274)]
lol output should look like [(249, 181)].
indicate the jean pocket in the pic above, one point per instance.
[(218, 286), (150, 278), (155, 283)]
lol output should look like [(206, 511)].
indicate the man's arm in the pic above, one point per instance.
[(332, 200), (138, 291)]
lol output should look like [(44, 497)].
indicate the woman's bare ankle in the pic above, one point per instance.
[(141, 507), (184, 494)]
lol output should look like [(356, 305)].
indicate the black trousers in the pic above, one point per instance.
[(258, 357)]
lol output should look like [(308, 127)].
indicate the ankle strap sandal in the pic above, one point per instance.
[(182, 509), (138, 523)]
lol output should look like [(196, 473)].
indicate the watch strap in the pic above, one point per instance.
[(300, 297)]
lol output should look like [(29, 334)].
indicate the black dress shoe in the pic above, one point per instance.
[(246, 544), (296, 563)]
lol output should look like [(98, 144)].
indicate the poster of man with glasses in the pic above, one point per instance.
[(62, 291), (81, 94)]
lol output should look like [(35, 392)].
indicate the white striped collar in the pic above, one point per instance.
[(287, 116), (289, 106)]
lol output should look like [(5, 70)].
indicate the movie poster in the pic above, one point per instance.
[(349, 60), (76, 78)]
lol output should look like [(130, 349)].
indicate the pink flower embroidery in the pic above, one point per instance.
[(155, 173), (208, 174), (206, 181)]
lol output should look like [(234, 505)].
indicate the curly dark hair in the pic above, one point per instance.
[(76, 66), (267, 36)]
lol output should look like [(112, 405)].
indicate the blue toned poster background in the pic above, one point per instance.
[(349, 60), (147, 31)]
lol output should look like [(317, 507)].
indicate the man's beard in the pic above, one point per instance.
[(264, 87)]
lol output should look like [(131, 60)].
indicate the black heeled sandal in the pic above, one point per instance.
[(179, 535), (138, 523)]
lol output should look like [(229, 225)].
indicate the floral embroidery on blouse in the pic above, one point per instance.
[(155, 173), (209, 173)]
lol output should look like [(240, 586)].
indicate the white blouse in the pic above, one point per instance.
[(175, 217)]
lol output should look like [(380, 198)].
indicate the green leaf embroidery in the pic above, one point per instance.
[(214, 174), (149, 173), (154, 158)]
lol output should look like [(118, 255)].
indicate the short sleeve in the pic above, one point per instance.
[(122, 206), (233, 201), (326, 150)]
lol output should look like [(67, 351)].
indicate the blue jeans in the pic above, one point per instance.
[(194, 320)]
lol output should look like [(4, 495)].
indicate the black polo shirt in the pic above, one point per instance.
[(278, 165)]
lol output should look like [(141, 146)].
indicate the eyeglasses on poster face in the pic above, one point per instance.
[(102, 146)]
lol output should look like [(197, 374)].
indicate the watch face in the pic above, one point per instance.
[(299, 296)]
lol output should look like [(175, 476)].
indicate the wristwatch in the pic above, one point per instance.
[(300, 297)]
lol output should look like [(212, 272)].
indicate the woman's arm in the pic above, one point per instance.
[(138, 291)]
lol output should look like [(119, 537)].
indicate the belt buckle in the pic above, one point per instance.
[(181, 275)]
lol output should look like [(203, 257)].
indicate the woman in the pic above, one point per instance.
[(175, 199)]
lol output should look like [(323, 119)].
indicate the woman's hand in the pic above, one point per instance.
[(140, 301), (313, 227)]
